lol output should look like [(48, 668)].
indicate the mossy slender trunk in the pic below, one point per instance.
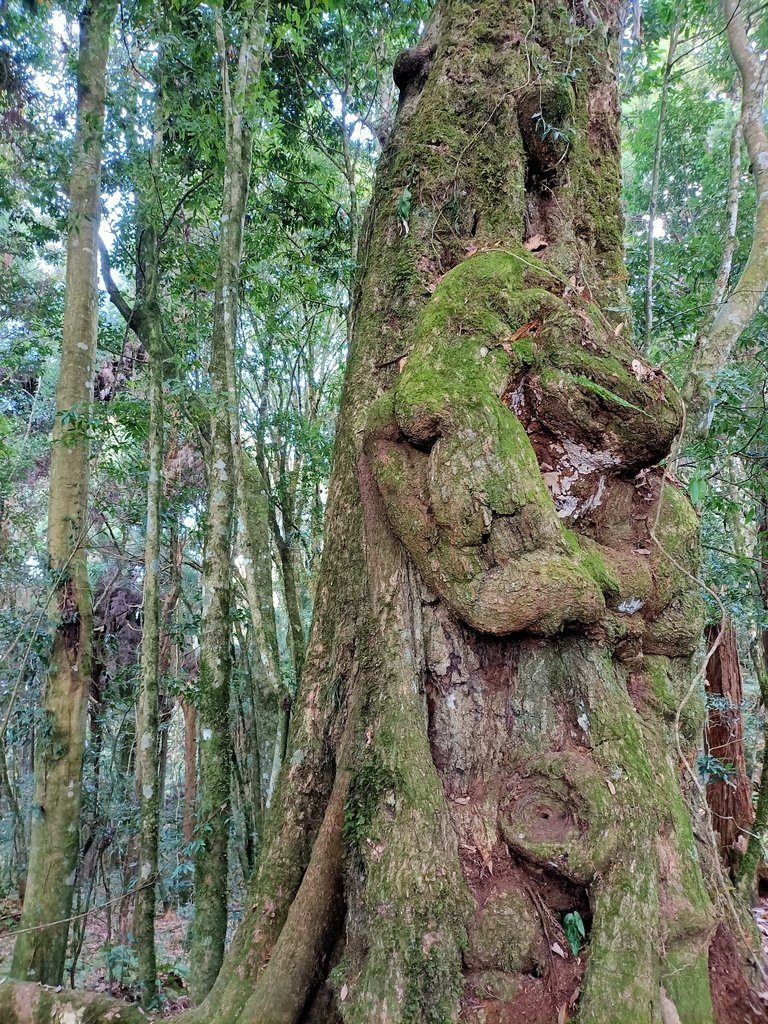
[(41, 945), (148, 720), (147, 765), (256, 540), (755, 844), (210, 921), (297, 642), (189, 712)]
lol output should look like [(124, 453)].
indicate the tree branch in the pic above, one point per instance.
[(115, 295), (185, 196)]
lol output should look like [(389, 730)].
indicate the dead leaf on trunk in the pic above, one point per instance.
[(521, 332), (536, 243)]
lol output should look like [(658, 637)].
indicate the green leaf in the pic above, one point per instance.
[(697, 488), (611, 396), (404, 204), (573, 926)]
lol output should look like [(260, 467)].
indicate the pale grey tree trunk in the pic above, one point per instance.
[(41, 945)]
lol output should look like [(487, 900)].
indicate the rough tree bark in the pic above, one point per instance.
[(40, 951), (729, 799), (497, 688)]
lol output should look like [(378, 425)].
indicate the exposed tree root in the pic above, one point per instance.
[(23, 1003)]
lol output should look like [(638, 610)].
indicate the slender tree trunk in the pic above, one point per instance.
[(19, 852), (41, 946), (297, 642), (210, 921), (145, 320), (715, 345), (264, 660), (732, 220), (653, 204), (759, 830), (253, 502), (147, 765), (189, 712)]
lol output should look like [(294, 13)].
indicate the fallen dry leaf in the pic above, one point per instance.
[(344, 992), (521, 332), (536, 243), (557, 948), (641, 371)]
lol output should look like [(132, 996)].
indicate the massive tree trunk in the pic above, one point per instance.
[(497, 722), (496, 705), (42, 943)]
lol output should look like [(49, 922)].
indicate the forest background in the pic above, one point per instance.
[(301, 123)]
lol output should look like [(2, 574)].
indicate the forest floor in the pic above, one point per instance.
[(110, 967)]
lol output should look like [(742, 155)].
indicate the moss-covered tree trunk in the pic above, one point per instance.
[(753, 856), (496, 720), (42, 942), (147, 763), (497, 689), (148, 717)]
